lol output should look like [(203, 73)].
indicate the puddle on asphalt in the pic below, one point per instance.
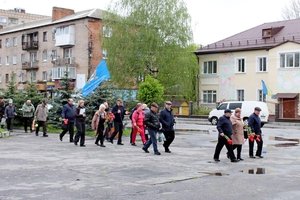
[(288, 142), (254, 171)]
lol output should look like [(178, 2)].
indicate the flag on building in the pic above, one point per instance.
[(100, 75), (265, 90)]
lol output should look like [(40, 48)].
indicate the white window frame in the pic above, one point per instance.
[(212, 93), (286, 60), (7, 42), (258, 64), (206, 64), (44, 75), (7, 60), (237, 68), (59, 72), (14, 41), (14, 60), (260, 96), (44, 55), (33, 76), (238, 95)]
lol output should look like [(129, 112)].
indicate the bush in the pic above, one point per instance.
[(150, 91), (201, 110)]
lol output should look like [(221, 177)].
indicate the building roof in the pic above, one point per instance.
[(92, 13), (265, 36)]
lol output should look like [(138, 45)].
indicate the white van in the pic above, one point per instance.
[(247, 108)]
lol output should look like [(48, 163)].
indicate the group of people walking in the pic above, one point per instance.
[(108, 123), (233, 133), (30, 116)]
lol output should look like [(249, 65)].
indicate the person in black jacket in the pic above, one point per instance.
[(80, 124), (153, 125), (254, 123), (119, 112), (68, 115), (224, 127), (167, 120)]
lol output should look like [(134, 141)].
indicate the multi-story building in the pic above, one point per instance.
[(17, 16), (234, 68), (43, 50)]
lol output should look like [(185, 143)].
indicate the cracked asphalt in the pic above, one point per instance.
[(44, 168)]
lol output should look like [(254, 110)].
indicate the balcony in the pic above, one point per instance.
[(65, 36), (31, 65), (33, 45), (62, 62)]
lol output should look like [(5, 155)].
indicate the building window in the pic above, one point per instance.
[(14, 41), (240, 95), (0, 44), (107, 31), (240, 62), (7, 60), (67, 52), (13, 21), (45, 36), (14, 60), (23, 58), (289, 60), (7, 42), (6, 78), (54, 55), (33, 76), (44, 55), (22, 77), (33, 56), (262, 64), (210, 67), (261, 96), (59, 72), (209, 96), (45, 74)]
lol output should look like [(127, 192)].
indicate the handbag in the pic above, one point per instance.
[(2, 123)]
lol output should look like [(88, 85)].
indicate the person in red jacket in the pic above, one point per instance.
[(138, 124)]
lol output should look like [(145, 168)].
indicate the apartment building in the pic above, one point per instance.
[(17, 16), (42, 51), (234, 68)]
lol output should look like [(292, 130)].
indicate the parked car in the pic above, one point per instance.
[(247, 108)]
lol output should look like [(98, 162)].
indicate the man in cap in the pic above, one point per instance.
[(167, 120), (224, 127), (254, 123), (153, 125)]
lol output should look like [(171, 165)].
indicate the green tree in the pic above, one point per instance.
[(150, 37), (150, 91), (11, 90)]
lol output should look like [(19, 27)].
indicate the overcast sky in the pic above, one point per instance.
[(212, 20)]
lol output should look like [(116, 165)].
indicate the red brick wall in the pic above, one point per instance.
[(58, 13), (95, 27)]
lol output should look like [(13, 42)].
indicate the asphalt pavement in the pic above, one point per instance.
[(45, 168)]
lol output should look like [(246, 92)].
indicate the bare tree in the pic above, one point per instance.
[(291, 11)]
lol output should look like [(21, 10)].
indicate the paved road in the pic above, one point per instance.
[(44, 168)]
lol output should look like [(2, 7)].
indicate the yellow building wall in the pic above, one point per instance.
[(227, 80)]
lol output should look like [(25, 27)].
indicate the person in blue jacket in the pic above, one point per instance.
[(254, 123), (224, 127), (69, 116)]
